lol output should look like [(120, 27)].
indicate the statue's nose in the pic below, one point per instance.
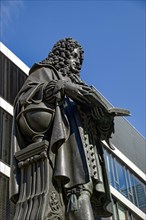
[(77, 61)]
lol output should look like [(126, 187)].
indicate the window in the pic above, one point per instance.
[(11, 79), (140, 190), (5, 135), (121, 212), (125, 181)]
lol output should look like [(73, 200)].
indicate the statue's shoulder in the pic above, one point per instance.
[(38, 66)]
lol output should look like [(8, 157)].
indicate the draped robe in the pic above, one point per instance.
[(75, 151)]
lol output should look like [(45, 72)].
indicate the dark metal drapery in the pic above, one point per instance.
[(34, 168)]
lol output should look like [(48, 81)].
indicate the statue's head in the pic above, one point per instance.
[(66, 54)]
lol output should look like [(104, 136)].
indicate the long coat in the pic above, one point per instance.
[(75, 151)]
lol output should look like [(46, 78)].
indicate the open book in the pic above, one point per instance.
[(96, 99), (119, 112)]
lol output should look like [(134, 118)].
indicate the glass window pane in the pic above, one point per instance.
[(141, 193), (110, 172), (122, 179), (116, 179), (122, 213)]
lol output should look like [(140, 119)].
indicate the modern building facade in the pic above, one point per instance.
[(125, 165)]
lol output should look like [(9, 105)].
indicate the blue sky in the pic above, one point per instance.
[(112, 34)]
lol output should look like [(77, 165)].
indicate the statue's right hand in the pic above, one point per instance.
[(71, 88), (75, 91)]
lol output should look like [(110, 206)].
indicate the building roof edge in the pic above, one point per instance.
[(10, 55)]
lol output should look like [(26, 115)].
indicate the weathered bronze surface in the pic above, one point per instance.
[(58, 169)]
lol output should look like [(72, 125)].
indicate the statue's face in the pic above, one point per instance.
[(74, 60)]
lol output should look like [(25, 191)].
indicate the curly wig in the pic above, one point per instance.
[(60, 55)]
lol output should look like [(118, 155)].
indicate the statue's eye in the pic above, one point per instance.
[(75, 55)]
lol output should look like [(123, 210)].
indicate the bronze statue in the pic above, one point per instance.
[(58, 169)]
